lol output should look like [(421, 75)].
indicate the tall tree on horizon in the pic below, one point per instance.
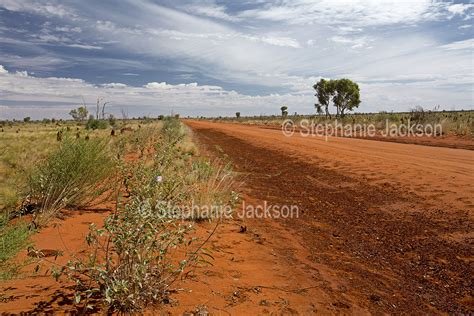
[(344, 94)]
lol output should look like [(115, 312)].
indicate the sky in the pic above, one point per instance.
[(212, 58)]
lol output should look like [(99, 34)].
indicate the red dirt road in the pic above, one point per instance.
[(382, 227)]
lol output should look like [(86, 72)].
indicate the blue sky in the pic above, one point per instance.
[(152, 57)]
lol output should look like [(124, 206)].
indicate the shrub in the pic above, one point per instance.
[(96, 124), (172, 131), (73, 175), (130, 264)]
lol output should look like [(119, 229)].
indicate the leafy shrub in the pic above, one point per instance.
[(96, 124), (73, 175), (130, 265)]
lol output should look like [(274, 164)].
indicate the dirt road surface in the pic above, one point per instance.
[(382, 227)]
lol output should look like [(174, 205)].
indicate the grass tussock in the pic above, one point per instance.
[(74, 175), (14, 236)]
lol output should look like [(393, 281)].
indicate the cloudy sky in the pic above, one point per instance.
[(151, 57)]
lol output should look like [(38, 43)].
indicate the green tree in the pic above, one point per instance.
[(284, 110), (237, 114), (324, 92), (346, 95), (27, 119), (79, 114)]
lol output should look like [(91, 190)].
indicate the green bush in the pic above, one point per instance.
[(14, 236), (130, 265), (73, 175), (96, 124)]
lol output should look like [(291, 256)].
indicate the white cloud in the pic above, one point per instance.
[(23, 73), (193, 86), (43, 62), (459, 8), (68, 29), (355, 13), (83, 46), (47, 8), (212, 11), (466, 44), (278, 41), (348, 29), (355, 42), (114, 85)]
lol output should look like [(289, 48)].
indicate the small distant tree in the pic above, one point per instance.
[(79, 114), (237, 114), (284, 110), (27, 119)]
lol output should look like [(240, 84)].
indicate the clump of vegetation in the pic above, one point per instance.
[(145, 245), (94, 124), (131, 265), (74, 175), (79, 114), (13, 238)]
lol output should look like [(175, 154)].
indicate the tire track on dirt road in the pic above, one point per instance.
[(389, 225)]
